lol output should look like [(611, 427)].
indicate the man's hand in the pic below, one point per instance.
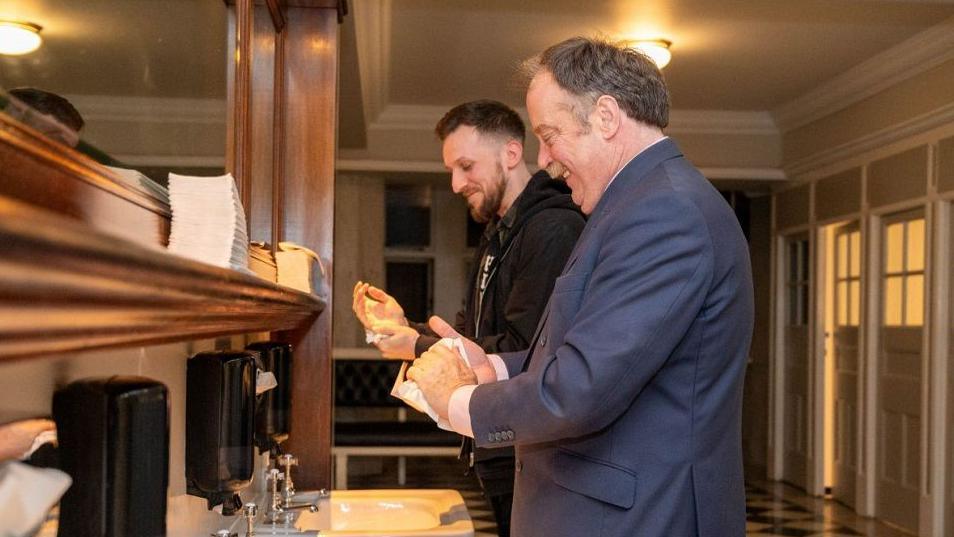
[(372, 305), (439, 372), (400, 340), (475, 355), (17, 437)]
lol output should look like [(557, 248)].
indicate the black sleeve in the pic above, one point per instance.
[(544, 247), (428, 337)]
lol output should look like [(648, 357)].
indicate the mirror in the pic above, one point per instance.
[(146, 77)]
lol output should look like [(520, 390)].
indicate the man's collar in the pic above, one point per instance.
[(615, 175)]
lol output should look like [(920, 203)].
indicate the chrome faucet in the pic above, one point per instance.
[(288, 486), (249, 511), (279, 506)]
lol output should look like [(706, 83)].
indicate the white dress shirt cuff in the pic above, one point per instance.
[(458, 410), (499, 367)]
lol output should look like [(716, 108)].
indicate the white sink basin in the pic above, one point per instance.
[(384, 513)]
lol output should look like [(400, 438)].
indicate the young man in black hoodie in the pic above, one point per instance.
[(532, 225)]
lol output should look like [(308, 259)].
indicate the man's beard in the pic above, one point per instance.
[(493, 196)]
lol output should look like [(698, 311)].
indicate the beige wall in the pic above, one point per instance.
[(721, 149), (914, 98), (877, 156), (360, 253), (26, 390)]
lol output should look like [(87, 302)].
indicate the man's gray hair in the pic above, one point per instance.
[(589, 68)]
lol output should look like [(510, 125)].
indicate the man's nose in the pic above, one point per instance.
[(457, 181), (543, 156)]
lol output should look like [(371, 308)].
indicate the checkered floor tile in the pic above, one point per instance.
[(767, 515)]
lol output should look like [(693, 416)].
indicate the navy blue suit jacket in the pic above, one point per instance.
[(626, 411)]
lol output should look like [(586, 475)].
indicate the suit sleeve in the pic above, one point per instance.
[(545, 245), (645, 290)]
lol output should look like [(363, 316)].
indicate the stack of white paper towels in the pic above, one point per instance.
[(208, 221)]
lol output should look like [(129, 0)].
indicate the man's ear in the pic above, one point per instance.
[(608, 115), (512, 153)]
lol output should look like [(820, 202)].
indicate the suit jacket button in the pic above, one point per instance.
[(509, 435), (497, 436), (490, 437)]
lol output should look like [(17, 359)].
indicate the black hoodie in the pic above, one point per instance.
[(519, 257)]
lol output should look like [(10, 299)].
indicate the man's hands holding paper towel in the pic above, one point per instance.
[(440, 370), (394, 340), (384, 322)]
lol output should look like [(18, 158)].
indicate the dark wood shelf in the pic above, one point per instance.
[(74, 277)]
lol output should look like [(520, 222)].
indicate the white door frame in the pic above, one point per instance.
[(816, 391), (777, 380), (939, 319)]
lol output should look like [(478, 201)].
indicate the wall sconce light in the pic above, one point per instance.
[(656, 49), (18, 38)]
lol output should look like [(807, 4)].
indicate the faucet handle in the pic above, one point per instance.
[(288, 486), (223, 533), (250, 511)]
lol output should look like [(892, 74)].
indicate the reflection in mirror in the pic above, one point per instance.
[(142, 82)]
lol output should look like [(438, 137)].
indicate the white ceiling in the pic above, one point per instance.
[(745, 66), (129, 48), (727, 54), (743, 72)]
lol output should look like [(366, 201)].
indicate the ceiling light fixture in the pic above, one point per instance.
[(656, 49), (18, 38)]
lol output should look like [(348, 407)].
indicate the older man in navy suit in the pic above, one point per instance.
[(625, 411)]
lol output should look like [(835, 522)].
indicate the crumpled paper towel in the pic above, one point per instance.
[(26, 496), (264, 381), (373, 338), (409, 392)]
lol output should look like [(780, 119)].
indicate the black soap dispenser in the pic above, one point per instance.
[(113, 436), (273, 414), (220, 424)]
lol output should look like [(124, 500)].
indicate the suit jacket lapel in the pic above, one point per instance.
[(628, 177)]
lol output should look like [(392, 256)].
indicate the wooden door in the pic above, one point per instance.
[(797, 406), (900, 382), (846, 361)]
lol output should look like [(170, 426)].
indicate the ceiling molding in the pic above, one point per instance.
[(910, 58), (424, 117), (372, 27), (747, 174), (429, 166), (721, 122), (411, 117), (150, 109), (878, 139)]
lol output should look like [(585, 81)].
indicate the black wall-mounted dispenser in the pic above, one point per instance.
[(220, 423), (113, 436), (273, 415)]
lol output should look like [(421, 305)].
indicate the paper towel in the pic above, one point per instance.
[(409, 392), (26, 496)]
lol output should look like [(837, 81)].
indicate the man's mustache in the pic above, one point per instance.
[(556, 169)]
